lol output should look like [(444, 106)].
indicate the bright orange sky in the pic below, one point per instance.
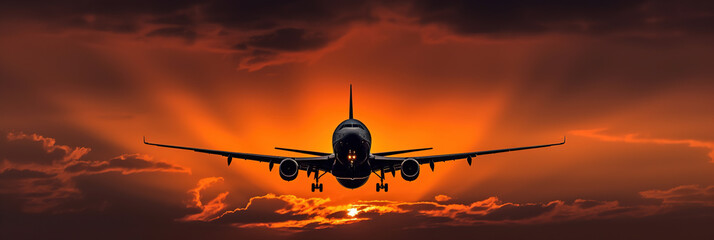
[(634, 101)]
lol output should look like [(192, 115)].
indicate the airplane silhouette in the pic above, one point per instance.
[(351, 161)]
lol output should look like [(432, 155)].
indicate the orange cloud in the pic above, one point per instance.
[(442, 198), (686, 194), (290, 213), (634, 138), (210, 209), (493, 211), (295, 214)]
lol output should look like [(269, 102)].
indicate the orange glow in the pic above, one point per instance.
[(404, 91), (633, 138), (77, 97)]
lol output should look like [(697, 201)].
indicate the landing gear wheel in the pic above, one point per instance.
[(384, 186), (320, 187)]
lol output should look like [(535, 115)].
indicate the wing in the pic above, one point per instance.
[(303, 151), (394, 163), (322, 163), (399, 152)]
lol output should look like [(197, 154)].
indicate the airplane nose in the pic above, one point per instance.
[(352, 148)]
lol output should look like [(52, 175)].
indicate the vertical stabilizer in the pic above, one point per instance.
[(350, 101)]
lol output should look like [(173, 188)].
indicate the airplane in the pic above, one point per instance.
[(351, 161)]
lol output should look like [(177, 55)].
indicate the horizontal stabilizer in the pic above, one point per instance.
[(303, 151), (400, 152)]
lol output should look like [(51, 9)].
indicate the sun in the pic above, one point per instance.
[(352, 212)]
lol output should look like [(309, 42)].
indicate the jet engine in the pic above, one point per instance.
[(288, 169), (410, 169)]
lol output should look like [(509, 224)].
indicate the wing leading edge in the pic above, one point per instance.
[(321, 162), (399, 152), (394, 162)]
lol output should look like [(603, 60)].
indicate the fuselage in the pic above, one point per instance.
[(351, 144)]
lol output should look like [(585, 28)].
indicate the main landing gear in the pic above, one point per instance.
[(384, 186), (317, 184), (381, 184)]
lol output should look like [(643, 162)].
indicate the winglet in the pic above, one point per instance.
[(563, 140), (144, 139), (350, 101)]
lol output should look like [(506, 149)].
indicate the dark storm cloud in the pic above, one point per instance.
[(290, 39), (15, 174), (119, 8), (533, 17), (111, 16), (100, 23), (275, 14), (123, 16), (252, 27), (180, 32), (302, 25), (247, 28)]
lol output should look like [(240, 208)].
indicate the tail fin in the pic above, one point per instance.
[(350, 101)]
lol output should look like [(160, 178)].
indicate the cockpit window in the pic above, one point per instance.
[(351, 124), (354, 125)]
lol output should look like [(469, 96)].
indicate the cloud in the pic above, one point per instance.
[(598, 17), (292, 214), (180, 32), (271, 15), (686, 194), (295, 214), (41, 174), (210, 209), (35, 149), (125, 164), (17, 174), (289, 39), (634, 138), (288, 213), (442, 198), (49, 190), (291, 26), (311, 25)]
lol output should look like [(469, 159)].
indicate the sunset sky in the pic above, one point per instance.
[(629, 83)]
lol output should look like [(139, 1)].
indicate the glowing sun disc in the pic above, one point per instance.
[(352, 212)]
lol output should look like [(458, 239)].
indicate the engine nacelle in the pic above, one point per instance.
[(288, 169), (410, 169)]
